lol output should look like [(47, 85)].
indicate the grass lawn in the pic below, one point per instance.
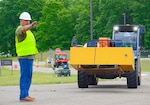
[(7, 78), (145, 65)]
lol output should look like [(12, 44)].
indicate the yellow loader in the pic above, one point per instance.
[(110, 58)]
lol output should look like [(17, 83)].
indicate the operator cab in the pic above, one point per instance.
[(129, 36), (126, 36)]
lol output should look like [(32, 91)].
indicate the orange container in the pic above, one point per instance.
[(104, 42)]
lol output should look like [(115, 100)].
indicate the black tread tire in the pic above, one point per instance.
[(139, 77), (139, 80), (59, 75), (82, 79), (92, 80), (69, 74), (132, 79)]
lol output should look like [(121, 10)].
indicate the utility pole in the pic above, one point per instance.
[(124, 14), (91, 20)]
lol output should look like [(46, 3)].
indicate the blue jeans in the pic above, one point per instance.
[(26, 66)]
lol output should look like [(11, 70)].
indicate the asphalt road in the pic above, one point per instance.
[(109, 92)]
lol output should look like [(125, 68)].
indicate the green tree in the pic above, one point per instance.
[(10, 11), (80, 12), (60, 20), (110, 13), (55, 27), (141, 17)]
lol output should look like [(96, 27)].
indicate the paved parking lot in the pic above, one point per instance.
[(109, 92)]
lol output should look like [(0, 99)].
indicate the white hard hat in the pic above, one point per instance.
[(25, 16)]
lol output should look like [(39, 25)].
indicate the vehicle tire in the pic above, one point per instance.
[(132, 79), (139, 80), (65, 74), (139, 76), (69, 74), (59, 75), (82, 79), (92, 79)]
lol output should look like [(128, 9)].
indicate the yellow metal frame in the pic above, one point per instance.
[(121, 56)]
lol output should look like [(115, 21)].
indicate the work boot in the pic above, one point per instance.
[(28, 99)]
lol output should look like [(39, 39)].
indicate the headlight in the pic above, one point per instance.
[(116, 28), (135, 28)]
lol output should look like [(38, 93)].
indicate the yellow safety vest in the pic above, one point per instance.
[(27, 46)]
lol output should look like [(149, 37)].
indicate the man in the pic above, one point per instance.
[(127, 40), (26, 50)]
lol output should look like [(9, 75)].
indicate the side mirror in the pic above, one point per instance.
[(142, 30)]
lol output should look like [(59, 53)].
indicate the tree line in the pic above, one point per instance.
[(61, 20)]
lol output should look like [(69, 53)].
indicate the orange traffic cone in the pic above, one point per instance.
[(15, 66), (37, 64)]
